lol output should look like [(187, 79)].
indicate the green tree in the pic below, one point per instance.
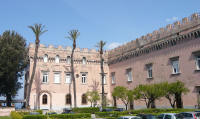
[(13, 60), (93, 97), (174, 93), (149, 93), (73, 35), (100, 46), (38, 30), (123, 94)]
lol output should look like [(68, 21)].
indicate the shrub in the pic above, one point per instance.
[(23, 113), (83, 118), (109, 117), (40, 111), (34, 117), (111, 114), (109, 107), (15, 115), (86, 110), (64, 116)]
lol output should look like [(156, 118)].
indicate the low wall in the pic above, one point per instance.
[(5, 111)]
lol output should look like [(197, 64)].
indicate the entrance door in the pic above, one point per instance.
[(45, 101)]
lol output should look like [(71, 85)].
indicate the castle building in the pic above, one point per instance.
[(52, 88), (168, 54)]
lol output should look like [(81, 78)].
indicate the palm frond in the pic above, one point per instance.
[(32, 28), (73, 35), (38, 29), (100, 45)]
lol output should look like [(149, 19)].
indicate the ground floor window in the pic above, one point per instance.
[(68, 99), (44, 99), (84, 99)]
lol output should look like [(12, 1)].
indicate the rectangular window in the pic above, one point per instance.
[(129, 74), (68, 60), (68, 78), (45, 77), (149, 71), (113, 77), (84, 78), (56, 77), (104, 79), (84, 60), (175, 66), (198, 62)]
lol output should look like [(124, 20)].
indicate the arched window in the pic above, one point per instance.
[(84, 60), (45, 58), (68, 59), (68, 99), (44, 99), (57, 60), (84, 99)]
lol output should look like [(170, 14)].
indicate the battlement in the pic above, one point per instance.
[(68, 48), (171, 29)]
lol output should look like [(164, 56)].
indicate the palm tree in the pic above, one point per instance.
[(73, 35), (38, 30), (100, 46)]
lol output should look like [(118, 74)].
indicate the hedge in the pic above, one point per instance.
[(21, 114), (111, 114), (39, 111), (34, 117), (159, 111), (143, 111), (72, 116), (86, 110), (15, 115), (109, 117)]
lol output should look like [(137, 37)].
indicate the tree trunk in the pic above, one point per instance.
[(171, 101), (95, 103), (73, 77), (148, 104), (153, 105), (70, 94), (102, 80), (91, 104), (8, 100), (126, 106), (29, 86), (131, 104), (179, 103), (115, 101)]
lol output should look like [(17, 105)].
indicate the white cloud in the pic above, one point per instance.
[(113, 45), (172, 19)]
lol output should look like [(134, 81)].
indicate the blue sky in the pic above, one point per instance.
[(114, 21)]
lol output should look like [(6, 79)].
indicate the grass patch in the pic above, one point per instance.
[(5, 117)]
